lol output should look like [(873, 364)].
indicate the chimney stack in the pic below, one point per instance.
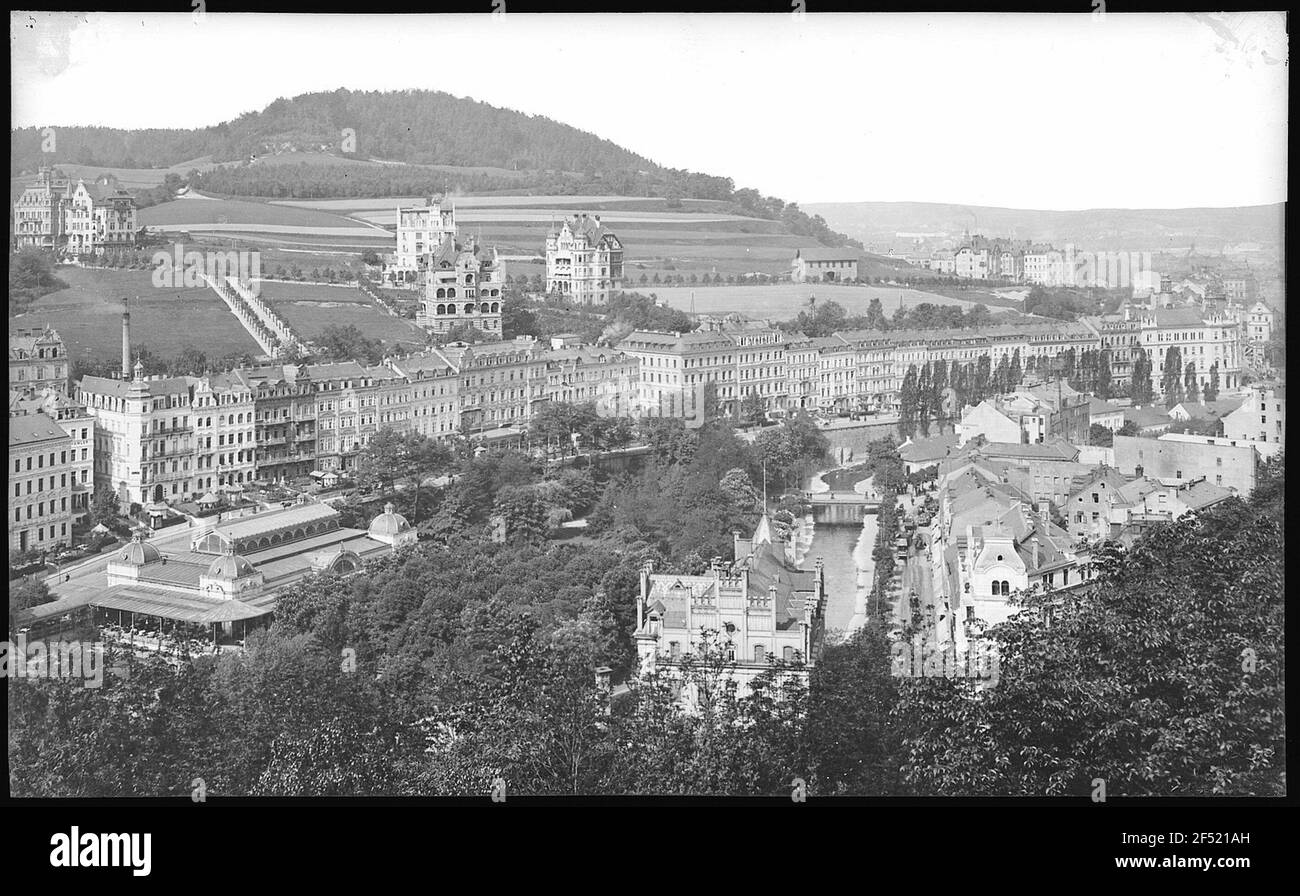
[(126, 342)]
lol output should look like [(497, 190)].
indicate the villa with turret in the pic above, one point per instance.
[(584, 261)]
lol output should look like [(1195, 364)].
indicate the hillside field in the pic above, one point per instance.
[(783, 301), (88, 316), (309, 309)]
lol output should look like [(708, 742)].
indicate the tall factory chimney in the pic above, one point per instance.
[(126, 341)]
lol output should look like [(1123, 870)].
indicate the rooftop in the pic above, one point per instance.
[(848, 255), (30, 429)]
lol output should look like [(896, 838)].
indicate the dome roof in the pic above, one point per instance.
[(139, 552), (389, 523), (230, 566)]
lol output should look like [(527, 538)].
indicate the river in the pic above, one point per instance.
[(846, 559), (845, 549)]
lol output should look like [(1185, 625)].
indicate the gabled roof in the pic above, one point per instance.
[(1147, 417), (1220, 407), (1108, 476), (1053, 449), (1202, 494), (1098, 407), (935, 448), (817, 254)]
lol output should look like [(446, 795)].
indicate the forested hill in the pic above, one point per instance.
[(421, 127), (398, 143)]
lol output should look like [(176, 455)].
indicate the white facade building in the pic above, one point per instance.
[(584, 261)]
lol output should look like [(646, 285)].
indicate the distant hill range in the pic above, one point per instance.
[(398, 143), (882, 226)]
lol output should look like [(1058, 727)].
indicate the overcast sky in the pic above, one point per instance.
[(1020, 111)]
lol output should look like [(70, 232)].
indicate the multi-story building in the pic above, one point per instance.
[(392, 398), (144, 436), (584, 373), (801, 372), (1047, 341), (1121, 336), (989, 541), (80, 427), (1009, 264), (584, 261), (39, 211), (874, 377), (346, 413), (1045, 266), (501, 383), (760, 364), (434, 393), (1044, 472), (284, 421), (462, 287), (837, 373), (98, 216), (982, 258), (1261, 417), (942, 262), (1227, 463), (1205, 338), (421, 231), (973, 263), (759, 608), (1104, 505), (1240, 289), (40, 483), (678, 369), (225, 432), (824, 266), (1259, 323), (38, 360)]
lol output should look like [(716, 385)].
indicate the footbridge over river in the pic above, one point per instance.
[(840, 507)]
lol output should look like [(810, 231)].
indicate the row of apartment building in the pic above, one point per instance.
[(858, 369), (77, 218), (169, 439)]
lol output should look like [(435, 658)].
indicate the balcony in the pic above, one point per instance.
[(175, 451)]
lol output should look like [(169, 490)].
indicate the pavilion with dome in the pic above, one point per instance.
[(226, 584)]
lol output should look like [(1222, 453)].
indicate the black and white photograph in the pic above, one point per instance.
[(777, 407)]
